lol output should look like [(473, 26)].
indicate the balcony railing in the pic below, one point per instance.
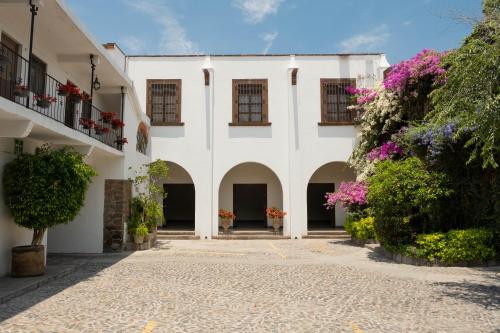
[(64, 109)]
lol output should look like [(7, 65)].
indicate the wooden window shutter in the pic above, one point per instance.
[(265, 102), (178, 100), (323, 87), (235, 101), (148, 98)]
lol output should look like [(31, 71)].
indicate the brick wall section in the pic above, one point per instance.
[(117, 199)]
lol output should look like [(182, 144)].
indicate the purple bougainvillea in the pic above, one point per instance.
[(349, 194), (386, 151), (363, 95), (408, 72)]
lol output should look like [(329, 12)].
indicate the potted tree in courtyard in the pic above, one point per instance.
[(139, 233), (42, 190), (276, 217), (226, 218)]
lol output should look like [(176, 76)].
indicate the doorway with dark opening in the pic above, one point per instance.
[(249, 206), (318, 217), (179, 207)]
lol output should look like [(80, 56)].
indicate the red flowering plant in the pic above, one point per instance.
[(275, 213), (107, 117), (226, 214), (21, 90), (352, 195), (100, 130), (121, 141), (117, 123), (87, 123), (65, 89), (43, 101)]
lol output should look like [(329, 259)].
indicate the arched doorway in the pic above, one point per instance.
[(179, 204), (247, 190), (325, 179)]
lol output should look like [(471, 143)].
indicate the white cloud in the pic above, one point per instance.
[(407, 23), (269, 38), (133, 44), (256, 10), (366, 41), (173, 35)]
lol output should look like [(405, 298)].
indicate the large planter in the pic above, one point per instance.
[(28, 261), (138, 239), (276, 223)]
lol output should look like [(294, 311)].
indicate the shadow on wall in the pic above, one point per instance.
[(250, 132), (89, 266)]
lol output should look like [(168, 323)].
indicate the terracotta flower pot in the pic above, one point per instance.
[(226, 223), (276, 223), (28, 261)]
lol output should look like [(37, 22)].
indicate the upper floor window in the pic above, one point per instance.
[(335, 100), (250, 106), (164, 102)]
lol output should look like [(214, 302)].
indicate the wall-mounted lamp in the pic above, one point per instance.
[(96, 84)]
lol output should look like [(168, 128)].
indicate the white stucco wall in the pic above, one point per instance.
[(294, 146)]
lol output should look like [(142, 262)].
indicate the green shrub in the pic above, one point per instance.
[(469, 245), (362, 229), (141, 230), (46, 188), (401, 194)]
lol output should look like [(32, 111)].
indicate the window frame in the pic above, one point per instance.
[(324, 107), (178, 96), (264, 98)]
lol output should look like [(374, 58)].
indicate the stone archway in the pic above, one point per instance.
[(326, 178), (248, 189)]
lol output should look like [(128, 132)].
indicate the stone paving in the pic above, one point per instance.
[(258, 286)]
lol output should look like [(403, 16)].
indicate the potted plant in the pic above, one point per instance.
[(42, 190), (100, 130), (74, 94), (140, 232), (276, 217), (117, 123), (64, 89), (120, 142), (86, 123), (226, 218), (21, 91), (44, 101), (107, 117)]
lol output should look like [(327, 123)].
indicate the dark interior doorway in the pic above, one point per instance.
[(318, 217), (249, 206), (178, 206)]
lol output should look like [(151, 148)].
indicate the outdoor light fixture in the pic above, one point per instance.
[(96, 84)]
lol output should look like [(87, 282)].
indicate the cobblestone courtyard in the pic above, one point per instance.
[(258, 286)]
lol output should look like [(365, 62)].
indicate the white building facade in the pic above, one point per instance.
[(61, 54), (248, 132)]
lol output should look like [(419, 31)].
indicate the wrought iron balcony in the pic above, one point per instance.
[(45, 96)]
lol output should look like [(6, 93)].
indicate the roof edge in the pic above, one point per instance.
[(251, 55)]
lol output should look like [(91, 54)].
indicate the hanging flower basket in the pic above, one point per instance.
[(4, 60), (44, 101), (117, 123), (65, 89), (86, 123), (21, 91), (75, 98), (120, 142), (107, 117), (100, 130)]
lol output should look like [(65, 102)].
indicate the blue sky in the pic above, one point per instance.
[(399, 28)]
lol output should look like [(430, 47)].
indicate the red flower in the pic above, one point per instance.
[(87, 123), (275, 213), (225, 214), (117, 123)]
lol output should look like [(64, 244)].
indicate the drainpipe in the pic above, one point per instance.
[(92, 66), (122, 90), (33, 10)]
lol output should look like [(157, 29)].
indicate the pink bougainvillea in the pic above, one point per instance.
[(386, 151), (363, 95), (349, 194), (408, 72)]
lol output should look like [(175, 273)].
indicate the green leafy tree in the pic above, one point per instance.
[(148, 184), (402, 194), (471, 95), (46, 188)]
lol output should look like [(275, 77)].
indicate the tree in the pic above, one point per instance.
[(46, 188)]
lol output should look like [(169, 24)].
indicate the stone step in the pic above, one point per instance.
[(252, 232), (235, 236), (327, 236), (175, 232), (327, 232), (177, 237)]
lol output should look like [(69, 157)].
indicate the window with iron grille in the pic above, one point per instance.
[(250, 105), (335, 100), (164, 102)]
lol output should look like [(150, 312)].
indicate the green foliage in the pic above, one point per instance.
[(471, 95), (362, 229), (46, 188), (141, 230), (402, 194), (469, 245), (148, 185)]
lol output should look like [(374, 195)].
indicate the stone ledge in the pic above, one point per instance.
[(14, 287)]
